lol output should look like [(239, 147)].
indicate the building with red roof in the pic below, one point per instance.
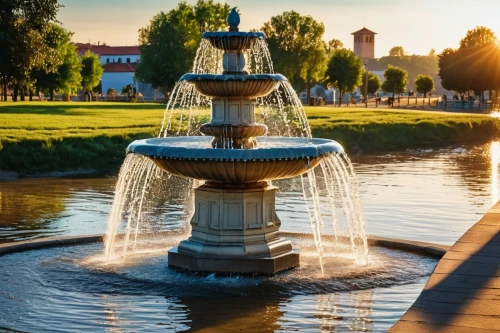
[(119, 63)]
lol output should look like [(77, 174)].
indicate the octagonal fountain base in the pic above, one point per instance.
[(268, 266), (235, 229)]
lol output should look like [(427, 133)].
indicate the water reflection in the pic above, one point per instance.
[(333, 312), (32, 208), (431, 195)]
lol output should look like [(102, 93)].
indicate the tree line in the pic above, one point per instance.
[(169, 43), (36, 53)]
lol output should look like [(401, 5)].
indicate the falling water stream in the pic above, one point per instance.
[(334, 179)]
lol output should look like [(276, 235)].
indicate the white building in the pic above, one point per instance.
[(119, 63)]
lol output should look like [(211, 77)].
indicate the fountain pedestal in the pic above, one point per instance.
[(235, 229)]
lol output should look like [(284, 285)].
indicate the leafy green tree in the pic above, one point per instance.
[(333, 45), (210, 16), (91, 71), (169, 42), (296, 45), (397, 51), (111, 92), (374, 83), (451, 71), (22, 26), (474, 66), (414, 65), (396, 80), (424, 84), (67, 66), (344, 71), (70, 78), (478, 36)]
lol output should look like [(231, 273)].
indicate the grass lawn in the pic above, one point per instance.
[(361, 129), (49, 136), (56, 120), (323, 116)]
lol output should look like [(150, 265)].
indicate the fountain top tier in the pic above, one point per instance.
[(235, 81), (233, 39)]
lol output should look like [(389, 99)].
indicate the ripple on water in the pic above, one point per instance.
[(71, 288)]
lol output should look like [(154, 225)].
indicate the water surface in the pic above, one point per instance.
[(427, 195)]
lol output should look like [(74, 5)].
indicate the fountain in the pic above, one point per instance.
[(235, 228)]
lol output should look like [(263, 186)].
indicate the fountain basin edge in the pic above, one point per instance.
[(423, 248)]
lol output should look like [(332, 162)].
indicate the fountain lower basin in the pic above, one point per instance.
[(276, 158)]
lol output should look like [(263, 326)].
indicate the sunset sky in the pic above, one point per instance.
[(417, 25)]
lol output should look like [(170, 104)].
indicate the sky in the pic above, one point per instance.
[(417, 25)]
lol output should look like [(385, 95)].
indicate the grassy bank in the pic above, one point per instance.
[(43, 137), (359, 129)]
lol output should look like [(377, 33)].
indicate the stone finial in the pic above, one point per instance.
[(233, 19)]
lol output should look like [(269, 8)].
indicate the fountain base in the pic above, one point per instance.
[(235, 229), (267, 266)]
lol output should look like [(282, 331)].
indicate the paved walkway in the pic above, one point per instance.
[(463, 292)]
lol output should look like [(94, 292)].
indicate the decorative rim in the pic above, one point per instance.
[(190, 77), (296, 148)]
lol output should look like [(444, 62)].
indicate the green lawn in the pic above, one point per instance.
[(59, 120), (45, 136), (323, 116), (360, 129)]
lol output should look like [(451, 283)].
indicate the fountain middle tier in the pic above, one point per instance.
[(242, 86)]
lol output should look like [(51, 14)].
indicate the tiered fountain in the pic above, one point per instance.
[(235, 227)]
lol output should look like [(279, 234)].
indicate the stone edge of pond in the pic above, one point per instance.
[(461, 295), (428, 249)]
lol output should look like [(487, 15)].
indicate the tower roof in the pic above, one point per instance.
[(364, 31)]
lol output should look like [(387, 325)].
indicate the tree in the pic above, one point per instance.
[(66, 65), (91, 71), (374, 83), (333, 45), (297, 48), (396, 80), (111, 92), (424, 84), (210, 16), (397, 51), (344, 71), (450, 77), (169, 43), (478, 36), (22, 27), (414, 65), (474, 66), (69, 71)]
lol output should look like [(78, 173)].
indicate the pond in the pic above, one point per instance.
[(431, 195)]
